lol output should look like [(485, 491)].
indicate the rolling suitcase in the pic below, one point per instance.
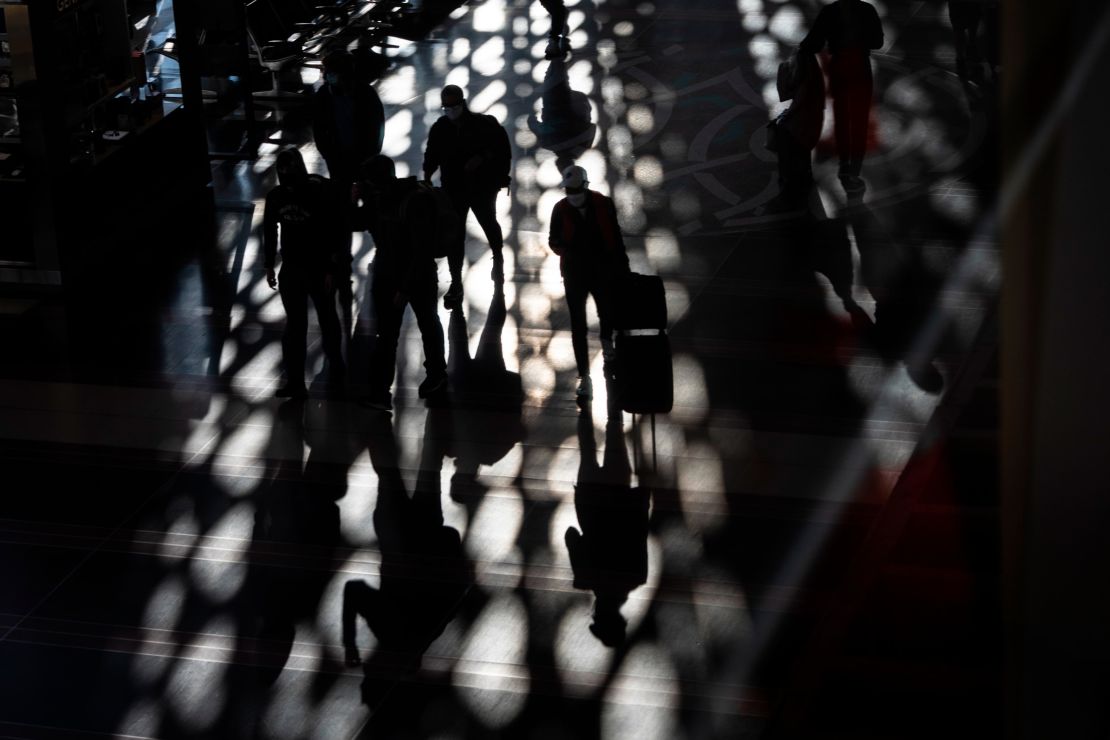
[(644, 375)]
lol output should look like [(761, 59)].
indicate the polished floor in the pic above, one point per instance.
[(804, 547)]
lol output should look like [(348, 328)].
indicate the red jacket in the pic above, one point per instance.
[(590, 241)]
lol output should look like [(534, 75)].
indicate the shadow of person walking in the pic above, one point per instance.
[(608, 552), (487, 398), (425, 574), (564, 124)]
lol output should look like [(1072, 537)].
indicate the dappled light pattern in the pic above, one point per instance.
[(664, 104)]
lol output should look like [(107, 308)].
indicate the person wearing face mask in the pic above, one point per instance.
[(585, 234), (348, 120), (472, 153), (306, 210)]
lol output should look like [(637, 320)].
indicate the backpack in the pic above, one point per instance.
[(448, 226)]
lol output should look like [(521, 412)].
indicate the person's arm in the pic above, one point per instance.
[(554, 232), (431, 151), (815, 40), (322, 134), (419, 213), (377, 118), (873, 33), (269, 237)]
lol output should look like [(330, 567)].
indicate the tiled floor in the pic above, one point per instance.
[(178, 547)]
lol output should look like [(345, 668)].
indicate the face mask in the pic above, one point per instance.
[(577, 200), (332, 79), (454, 112)]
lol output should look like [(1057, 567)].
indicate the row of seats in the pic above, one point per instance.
[(283, 33)]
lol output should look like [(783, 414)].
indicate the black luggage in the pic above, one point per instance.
[(644, 375), (641, 303)]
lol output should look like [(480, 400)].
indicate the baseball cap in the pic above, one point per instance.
[(574, 177)]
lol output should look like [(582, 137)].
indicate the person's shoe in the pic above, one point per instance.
[(454, 295), (585, 388), (291, 390), (432, 385), (378, 402)]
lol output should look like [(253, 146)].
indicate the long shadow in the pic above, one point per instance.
[(609, 551), (905, 291), (565, 123), (487, 400), (295, 549), (425, 579)]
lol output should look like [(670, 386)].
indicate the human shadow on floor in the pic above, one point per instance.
[(564, 124), (608, 551), (487, 399), (296, 532), (905, 291), (425, 574)]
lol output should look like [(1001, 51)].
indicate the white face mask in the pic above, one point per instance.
[(577, 200)]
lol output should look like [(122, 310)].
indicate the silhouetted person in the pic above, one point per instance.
[(584, 232), (799, 127), (400, 215), (557, 42), (850, 29), (564, 124), (609, 554), (348, 120), (967, 18), (314, 229), (471, 151), (424, 570)]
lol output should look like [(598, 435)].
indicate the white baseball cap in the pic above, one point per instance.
[(574, 177)]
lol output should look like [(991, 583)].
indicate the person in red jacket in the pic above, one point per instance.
[(850, 29), (592, 259)]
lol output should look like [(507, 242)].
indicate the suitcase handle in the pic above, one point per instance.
[(640, 332)]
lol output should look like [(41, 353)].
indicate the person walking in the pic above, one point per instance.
[(850, 29), (306, 210), (348, 120), (471, 151), (401, 216), (584, 232)]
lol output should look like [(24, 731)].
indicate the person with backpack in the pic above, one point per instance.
[(472, 152), (585, 234), (313, 227), (400, 214), (850, 29)]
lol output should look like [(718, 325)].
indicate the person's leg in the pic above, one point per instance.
[(484, 205), (423, 304), (603, 292), (388, 318), (841, 125), (330, 328), (457, 252), (576, 303), (860, 112), (294, 298)]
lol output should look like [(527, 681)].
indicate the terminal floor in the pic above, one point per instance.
[(804, 547)]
